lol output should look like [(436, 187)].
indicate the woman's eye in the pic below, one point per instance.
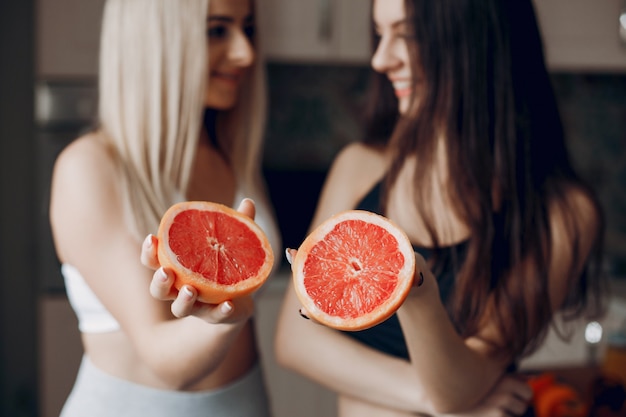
[(249, 31), (217, 32), (405, 32)]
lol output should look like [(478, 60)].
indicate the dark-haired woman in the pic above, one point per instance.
[(467, 154)]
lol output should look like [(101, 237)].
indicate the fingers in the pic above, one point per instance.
[(424, 281), (247, 207), (512, 406), (304, 313), (518, 386), (509, 398), (187, 304), (228, 312), (421, 269), (183, 305), (512, 395), (149, 252), (290, 254), (161, 286), (515, 407)]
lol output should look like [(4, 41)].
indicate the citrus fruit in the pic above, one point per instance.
[(552, 398), (354, 270), (220, 252)]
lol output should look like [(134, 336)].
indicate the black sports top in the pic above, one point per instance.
[(387, 336)]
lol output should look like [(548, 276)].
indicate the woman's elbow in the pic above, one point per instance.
[(287, 351), (450, 404), (284, 352)]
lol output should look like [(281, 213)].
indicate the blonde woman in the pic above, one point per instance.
[(180, 118)]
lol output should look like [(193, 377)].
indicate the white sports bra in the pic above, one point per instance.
[(93, 317)]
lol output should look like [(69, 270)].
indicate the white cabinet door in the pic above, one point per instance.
[(68, 38), (330, 31), (307, 31), (582, 35)]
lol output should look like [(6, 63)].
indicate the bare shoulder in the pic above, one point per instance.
[(87, 152), (354, 171), (83, 191), (576, 216), (359, 166), (361, 156), (84, 170), (575, 228)]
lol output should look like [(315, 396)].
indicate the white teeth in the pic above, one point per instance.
[(401, 85)]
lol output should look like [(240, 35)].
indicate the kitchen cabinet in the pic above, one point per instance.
[(68, 38), (315, 31), (583, 35), (305, 31), (579, 35)]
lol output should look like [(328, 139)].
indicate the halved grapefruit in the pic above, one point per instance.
[(354, 270), (220, 252)]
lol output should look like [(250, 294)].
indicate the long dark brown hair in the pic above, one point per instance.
[(488, 94)]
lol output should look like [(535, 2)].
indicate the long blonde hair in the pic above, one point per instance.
[(153, 66)]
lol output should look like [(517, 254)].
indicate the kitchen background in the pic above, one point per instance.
[(317, 53)]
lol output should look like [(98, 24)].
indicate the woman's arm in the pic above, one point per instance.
[(457, 373), (511, 396), (343, 365), (90, 233), (325, 355)]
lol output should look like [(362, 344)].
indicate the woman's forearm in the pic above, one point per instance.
[(345, 366), (456, 373)]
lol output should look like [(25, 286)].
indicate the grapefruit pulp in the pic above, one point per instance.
[(220, 252), (354, 270)]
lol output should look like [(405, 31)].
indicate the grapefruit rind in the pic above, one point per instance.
[(403, 274), (210, 291)]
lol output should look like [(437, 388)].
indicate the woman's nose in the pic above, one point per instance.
[(241, 51), (383, 58)]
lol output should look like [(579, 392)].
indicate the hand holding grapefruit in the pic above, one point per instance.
[(215, 249), (354, 270)]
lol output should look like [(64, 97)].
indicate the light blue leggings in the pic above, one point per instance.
[(97, 394)]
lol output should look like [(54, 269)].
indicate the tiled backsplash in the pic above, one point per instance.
[(316, 110)]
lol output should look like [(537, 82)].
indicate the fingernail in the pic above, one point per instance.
[(187, 291), (148, 242), (226, 308), (162, 275), (303, 315), (421, 281), (288, 255)]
